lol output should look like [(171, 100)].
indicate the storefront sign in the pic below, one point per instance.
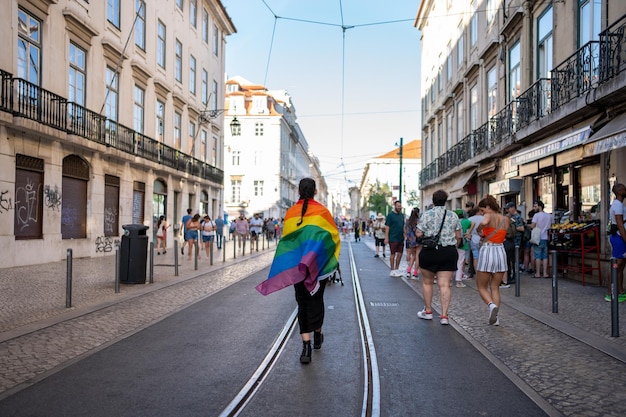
[(505, 187), (605, 145), (551, 147)]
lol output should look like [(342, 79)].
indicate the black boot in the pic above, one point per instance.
[(318, 339), (305, 357)]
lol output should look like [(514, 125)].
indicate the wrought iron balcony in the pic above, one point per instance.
[(24, 99), (576, 75)]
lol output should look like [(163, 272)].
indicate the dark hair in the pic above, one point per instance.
[(188, 211), (161, 219), (540, 204), (490, 202), (195, 217), (306, 189), (415, 213), (440, 197)]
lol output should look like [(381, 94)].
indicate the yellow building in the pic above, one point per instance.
[(110, 114)]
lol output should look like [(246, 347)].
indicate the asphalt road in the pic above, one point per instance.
[(195, 361)]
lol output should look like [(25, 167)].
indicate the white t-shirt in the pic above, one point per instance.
[(617, 207), (543, 221), (476, 219), (208, 228), (256, 225)]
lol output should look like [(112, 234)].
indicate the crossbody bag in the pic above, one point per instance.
[(432, 242)]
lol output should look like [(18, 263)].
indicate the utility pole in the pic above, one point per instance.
[(400, 190)]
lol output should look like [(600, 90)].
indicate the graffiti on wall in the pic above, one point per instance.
[(5, 202), (52, 197), (27, 204), (105, 244), (110, 219)]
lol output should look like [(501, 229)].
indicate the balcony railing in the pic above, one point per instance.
[(25, 99), (593, 64)]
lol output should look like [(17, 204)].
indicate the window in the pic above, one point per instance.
[(235, 196), (449, 130), (589, 24), (113, 12), (178, 120), (473, 107), (138, 109), (111, 205), (514, 71), (205, 87), (492, 10), (139, 201), (258, 188), (77, 75), (140, 24), (191, 145), (439, 82), (214, 152), (205, 26), (74, 202), (178, 62), (203, 147), (236, 158), (439, 149), (214, 96), (492, 92), (460, 53), (448, 62), (460, 129), (193, 13), (425, 148), (160, 120), (216, 40), (192, 75), (28, 204), (161, 49), (111, 103), (474, 30), (258, 129), (28, 47), (179, 4), (544, 44), (204, 202)]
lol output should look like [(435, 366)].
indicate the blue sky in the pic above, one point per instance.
[(380, 84)]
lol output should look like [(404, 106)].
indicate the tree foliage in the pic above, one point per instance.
[(379, 198)]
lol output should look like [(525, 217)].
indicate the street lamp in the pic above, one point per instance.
[(400, 154), (207, 115)]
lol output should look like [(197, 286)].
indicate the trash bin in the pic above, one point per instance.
[(133, 254)]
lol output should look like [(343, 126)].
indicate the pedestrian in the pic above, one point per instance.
[(184, 221), (242, 230), (462, 249), (306, 256), (379, 234), (357, 230), (412, 242), (444, 227), (232, 228), (191, 235), (256, 228), (492, 257), (618, 240), (512, 242), (529, 255), (208, 235), (219, 232), (543, 221), (161, 234), (394, 237), (476, 217)]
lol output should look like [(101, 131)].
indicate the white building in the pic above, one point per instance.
[(265, 162)]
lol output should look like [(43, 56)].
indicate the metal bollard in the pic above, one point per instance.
[(234, 247), (614, 300), (211, 252), (223, 250), (555, 284), (516, 269), (117, 268), (151, 278), (195, 255), (68, 280), (175, 257)]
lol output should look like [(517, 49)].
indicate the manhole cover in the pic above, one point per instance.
[(383, 304)]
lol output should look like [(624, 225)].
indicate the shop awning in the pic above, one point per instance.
[(611, 136), (457, 187), (551, 146)]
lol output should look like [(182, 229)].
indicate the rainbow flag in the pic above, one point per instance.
[(309, 252)]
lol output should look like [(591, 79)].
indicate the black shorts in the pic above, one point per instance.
[(252, 233), (379, 242), (442, 259)]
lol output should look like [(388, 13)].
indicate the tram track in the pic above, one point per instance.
[(371, 380)]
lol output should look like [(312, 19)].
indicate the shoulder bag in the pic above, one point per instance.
[(486, 238), (432, 242)]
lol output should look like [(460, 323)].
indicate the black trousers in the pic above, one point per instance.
[(310, 307)]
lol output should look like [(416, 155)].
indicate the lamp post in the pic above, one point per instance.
[(400, 155)]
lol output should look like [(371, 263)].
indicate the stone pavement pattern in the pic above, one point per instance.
[(540, 349)]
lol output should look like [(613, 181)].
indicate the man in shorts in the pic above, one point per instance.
[(394, 237), (184, 221), (256, 228), (379, 234)]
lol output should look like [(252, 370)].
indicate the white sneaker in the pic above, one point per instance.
[(443, 320), (424, 315), (493, 313), (392, 273), (497, 323)]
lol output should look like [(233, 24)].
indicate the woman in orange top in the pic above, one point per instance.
[(492, 256)]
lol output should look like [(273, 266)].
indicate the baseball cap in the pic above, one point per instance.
[(509, 205)]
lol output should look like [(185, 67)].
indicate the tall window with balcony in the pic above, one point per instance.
[(161, 44), (113, 12), (178, 61), (140, 24), (160, 120), (178, 120), (214, 151), (439, 150), (473, 110), (28, 47), (515, 83), (138, 108), (544, 44), (589, 21), (449, 129), (191, 143), (192, 75), (203, 147), (460, 125), (77, 75), (492, 92), (111, 94)]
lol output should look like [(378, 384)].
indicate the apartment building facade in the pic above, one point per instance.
[(524, 100), (269, 155), (109, 115)]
